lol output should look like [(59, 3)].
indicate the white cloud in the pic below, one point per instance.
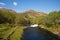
[(1, 3), (15, 3)]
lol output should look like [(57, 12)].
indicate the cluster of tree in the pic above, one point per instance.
[(53, 18), (20, 19), (7, 16), (11, 17)]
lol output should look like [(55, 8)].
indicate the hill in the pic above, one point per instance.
[(33, 14), (7, 15)]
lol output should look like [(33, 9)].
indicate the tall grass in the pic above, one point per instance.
[(17, 34)]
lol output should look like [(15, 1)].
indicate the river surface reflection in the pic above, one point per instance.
[(32, 33)]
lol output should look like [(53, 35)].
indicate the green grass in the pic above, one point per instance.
[(3, 28), (17, 34), (8, 32), (5, 31), (53, 29)]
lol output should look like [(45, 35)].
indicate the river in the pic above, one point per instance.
[(32, 33), (37, 33)]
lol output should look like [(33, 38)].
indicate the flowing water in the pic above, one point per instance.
[(32, 33)]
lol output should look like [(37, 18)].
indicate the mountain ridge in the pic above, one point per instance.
[(29, 13), (33, 13)]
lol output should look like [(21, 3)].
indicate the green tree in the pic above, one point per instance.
[(53, 18)]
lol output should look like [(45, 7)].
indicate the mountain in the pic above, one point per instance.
[(6, 10), (28, 13), (33, 14)]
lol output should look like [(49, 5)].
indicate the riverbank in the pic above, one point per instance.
[(53, 29), (16, 33), (11, 33)]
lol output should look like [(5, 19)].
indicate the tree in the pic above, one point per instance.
[(53, 18), (7, 16)]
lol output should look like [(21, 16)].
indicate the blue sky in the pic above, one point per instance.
[(38, 5)]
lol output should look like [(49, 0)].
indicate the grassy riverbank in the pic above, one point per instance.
[(17, 34), (12, 33), (53, 29)]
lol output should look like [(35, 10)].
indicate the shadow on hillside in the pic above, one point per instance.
[(37, 33)]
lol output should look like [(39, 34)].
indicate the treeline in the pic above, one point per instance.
[(52, 19), (8, 16), (12, 18)]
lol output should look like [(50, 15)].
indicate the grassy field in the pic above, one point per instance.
[(9, 32), (3, 30), (14, 33), (17, 34), (4, 34)]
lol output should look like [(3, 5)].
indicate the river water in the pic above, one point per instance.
[(32, 33), (37, 33)]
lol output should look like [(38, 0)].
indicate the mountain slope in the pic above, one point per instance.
[(7, 15), (33, 14)]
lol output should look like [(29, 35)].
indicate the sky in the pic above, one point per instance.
[(37, 5)]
